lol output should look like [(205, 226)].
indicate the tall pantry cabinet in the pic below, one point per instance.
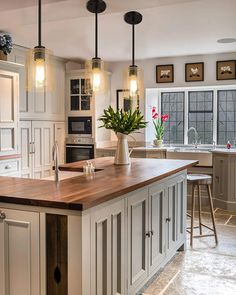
[(42, 121)]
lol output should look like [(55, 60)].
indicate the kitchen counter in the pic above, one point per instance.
[(83, 192)]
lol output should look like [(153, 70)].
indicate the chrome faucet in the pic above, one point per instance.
[(195, 134), (55, 157)]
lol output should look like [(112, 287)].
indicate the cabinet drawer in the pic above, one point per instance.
[(9, 166)]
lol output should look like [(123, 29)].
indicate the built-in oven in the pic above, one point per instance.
[(80, 126), (79, 149)]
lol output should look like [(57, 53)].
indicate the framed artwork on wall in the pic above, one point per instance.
[(194, 72), (124, 102), (226, 70), (165, 73)]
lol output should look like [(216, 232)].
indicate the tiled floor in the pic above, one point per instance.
[(206, 269)]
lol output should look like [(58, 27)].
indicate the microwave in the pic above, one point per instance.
[(80, 125)]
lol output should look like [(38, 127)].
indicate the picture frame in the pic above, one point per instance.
[(194, 72), (226, 70), (123, 100), (165, 73)]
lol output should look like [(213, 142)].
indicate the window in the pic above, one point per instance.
[(226, 124), (200, 116), (172, 104)]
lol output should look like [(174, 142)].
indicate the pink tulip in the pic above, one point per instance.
[(164, 118)]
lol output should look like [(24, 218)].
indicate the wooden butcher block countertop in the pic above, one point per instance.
[(83, 192)]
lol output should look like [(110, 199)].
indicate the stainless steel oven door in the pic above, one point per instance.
[(76, 153)]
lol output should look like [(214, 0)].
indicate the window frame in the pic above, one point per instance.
[(157, 93)]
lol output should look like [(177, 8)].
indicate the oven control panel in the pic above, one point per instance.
[(79, 140)]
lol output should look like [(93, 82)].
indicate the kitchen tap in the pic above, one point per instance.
[(55, 157), (195, 134)]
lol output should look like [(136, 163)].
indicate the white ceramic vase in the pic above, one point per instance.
[(158, 142), (122, 156)]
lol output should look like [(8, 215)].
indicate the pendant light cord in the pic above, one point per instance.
[(39, 23), (133, 45), (96, 35)]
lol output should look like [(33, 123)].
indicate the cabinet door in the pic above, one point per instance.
[(107, 244), (137, 239), (19, 253), (26, 149), (59, 136), (9, 95), (175, 212), (42, 140), (156, 226), (220, 177)]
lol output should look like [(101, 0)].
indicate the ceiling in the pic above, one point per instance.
[(169, 27)]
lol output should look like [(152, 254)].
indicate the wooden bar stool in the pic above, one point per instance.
[(197, 180)]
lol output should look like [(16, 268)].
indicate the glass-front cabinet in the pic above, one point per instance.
[(80, 94)]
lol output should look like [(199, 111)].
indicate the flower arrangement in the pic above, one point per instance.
[(6, 44), (159, 124)]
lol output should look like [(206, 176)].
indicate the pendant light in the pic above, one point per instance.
[(39, 62), (133, 76), (95, 67)]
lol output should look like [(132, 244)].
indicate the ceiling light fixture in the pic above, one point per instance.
[(226, 40), (95, 67), (133, 77), (39, 62)]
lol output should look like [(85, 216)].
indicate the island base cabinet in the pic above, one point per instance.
[(19, 253), (107, 250), (156, 229)]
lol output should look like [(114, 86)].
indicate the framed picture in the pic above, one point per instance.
[(165, 73), (226, 70), (194, 72), (123, 100)]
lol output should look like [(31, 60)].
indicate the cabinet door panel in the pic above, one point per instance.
[(6, 98), (19, 253), (25, 149), (157, 240), (171, 218), (59, 136), (137, 240), (107, 241)]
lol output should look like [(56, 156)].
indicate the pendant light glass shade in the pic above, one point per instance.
[(39, 63), (97, 76), (133, 75), (133, 83), (39, 68)]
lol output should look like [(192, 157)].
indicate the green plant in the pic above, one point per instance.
[(158, 123), (123, 122)]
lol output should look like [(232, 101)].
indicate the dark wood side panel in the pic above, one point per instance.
[(57, 253)]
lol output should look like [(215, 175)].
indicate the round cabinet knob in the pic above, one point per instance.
[(2, 215), (168, 219), (8, 167), (148, 234)]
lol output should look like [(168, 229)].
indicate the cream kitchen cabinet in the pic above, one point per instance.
[(36, 142), (224, 176), (19, 252), (156, 228), (41, 105), (108, 250), (9, 100)]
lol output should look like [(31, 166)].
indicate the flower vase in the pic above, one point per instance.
[(122, 156), (158, 142)]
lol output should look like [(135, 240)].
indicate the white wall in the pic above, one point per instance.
[(149, 68)]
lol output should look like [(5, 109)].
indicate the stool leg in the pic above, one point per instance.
[(192, 215), (200, 209), (212, 211)]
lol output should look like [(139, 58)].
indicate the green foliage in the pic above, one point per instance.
[(123, 122), (159, 128)]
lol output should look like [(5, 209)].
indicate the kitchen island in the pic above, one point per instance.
[(106, 233)]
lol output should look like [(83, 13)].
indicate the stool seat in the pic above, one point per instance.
[(200, 179)]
